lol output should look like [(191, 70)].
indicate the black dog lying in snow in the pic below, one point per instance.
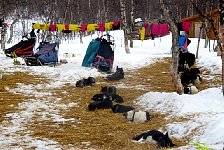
[(105, 103), (161, 139), (85, 82), (116, 98)]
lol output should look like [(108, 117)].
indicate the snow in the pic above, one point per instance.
[(205, 110)]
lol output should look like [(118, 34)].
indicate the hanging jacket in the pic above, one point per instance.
[(66, 30), (160, 29), (101, 27), (75, 27), (60, 27), (84, 27), (142, 33), (41, 26), (116, 25), (108, 26), (46, 27), (186, 26), (92, 27), (36, 26), (182, 39), (52, 27), (147, 31)]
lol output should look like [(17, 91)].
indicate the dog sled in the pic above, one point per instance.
[(24, 47), (46, 53)]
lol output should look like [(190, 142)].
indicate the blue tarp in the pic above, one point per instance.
[(182, 39), (48, 53)]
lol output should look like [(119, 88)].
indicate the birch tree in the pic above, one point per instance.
[(175, 48), (15, 20), (221, 5), (3, 28), (132, 21), (124, 25)]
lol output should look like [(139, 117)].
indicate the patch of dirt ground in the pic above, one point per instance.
[(100, 129)]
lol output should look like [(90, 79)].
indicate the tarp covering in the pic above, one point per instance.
[(91, 51), (48, 53)]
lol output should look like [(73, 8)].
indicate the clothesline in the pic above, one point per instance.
[(78, 27)]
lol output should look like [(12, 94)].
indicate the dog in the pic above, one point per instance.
[(116, 98), (188, 78), (104, 104), (99, 97), (191, 90), (108, 90), (118, 75), (197, 72), (186, 59), (85, 82), (121, 108), (137, 116), (194, 71), (161, 139)]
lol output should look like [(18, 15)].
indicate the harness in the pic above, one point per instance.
[(190, 90), (133, 117)]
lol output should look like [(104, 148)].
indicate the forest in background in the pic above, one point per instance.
[(98, 11)]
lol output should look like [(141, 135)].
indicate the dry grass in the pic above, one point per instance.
[(8, 100), (103, 129)]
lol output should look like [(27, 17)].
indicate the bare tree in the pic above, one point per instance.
[(124, 25), (132, 21), (3, 28), (16, 18), (221, 5), (175, 49)]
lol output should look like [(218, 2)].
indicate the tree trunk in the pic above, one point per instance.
[(199, 38), (132, 22), (207, 37), (3, 30), (66, 12), (221, 5), (175, 49), (124, 25), (11, 30), (3, 33), (106, 11)]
